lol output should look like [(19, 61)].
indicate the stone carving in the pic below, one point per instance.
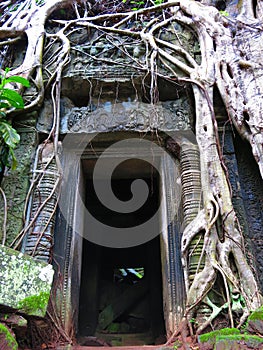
[(132, 116), (45, 117), (98, 56), (192, 199), (191, 181), (104, 60), (38, 241)]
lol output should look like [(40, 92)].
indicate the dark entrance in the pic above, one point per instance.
[(121, 288)]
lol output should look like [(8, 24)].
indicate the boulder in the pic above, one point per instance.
[(25, 283)]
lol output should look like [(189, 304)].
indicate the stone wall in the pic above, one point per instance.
[(251, 185), (15, 183)]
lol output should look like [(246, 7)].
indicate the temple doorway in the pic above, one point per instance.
[(119, 295), (121, 300)]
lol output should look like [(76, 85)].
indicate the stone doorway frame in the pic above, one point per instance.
[(68, 243)]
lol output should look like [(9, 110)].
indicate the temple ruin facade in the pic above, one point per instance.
[(122, 290)]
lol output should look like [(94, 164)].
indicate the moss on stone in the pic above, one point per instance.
[(8, 337), (35, 304), (25, 282), (239, 337), (230, 335), (212, 336), (256, 315), (249, 341)]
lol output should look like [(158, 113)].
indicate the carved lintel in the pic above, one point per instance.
[(135, 116)]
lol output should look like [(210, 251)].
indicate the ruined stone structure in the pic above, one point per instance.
[(103, 104)]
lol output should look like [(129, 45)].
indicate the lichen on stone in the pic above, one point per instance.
[(25, 282)]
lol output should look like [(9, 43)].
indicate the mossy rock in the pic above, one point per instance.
[(35, 304), (256, 315), (7, 339), (229, 339), (211, 336), (25, 283), (208, 340), (238, 342), (255, 322)]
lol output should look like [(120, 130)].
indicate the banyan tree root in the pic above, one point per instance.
[(223, 248)]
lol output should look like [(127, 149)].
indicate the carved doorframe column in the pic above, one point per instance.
[(68, 243), (172, 222)]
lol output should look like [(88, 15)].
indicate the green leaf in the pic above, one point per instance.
[(9, 134), (17, 79), (12, 97), (13, 157), (224, 13), (4, 105)]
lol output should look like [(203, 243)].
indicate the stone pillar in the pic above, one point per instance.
[(39, 226), (171, 223), (192, 199), (68, 242)]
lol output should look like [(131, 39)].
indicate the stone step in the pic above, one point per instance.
[(140, 347)]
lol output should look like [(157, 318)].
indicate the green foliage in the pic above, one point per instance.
[(224, 13), (9, 99), (141, 3), (40, 2), (137, 4)]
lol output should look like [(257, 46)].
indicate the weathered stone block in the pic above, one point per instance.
[(239, 342), (207, 341), (229, 339), (25, 283), (255, 322), (16, 182), (7, 339)]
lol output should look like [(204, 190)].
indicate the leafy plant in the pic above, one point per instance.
[(138, 4), (224, 13), (141, 3), (9, 99)]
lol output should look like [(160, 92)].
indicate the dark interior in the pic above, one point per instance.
[(121, 288)]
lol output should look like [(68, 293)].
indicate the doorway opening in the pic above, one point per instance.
[(121, 302)]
